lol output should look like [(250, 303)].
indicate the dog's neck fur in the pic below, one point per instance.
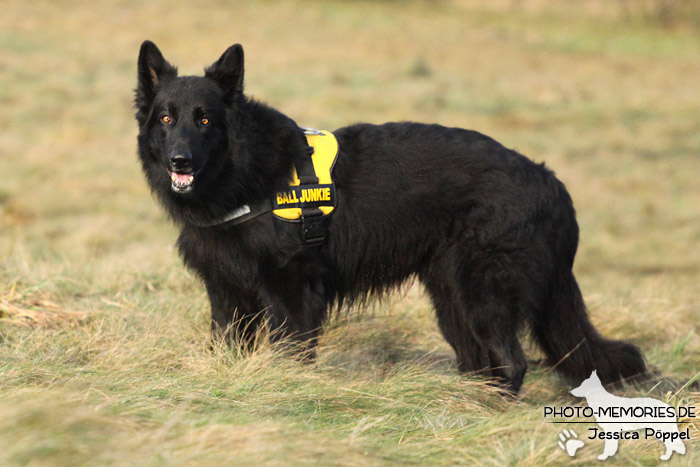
[(257, 153)]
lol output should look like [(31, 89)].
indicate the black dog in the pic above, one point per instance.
[(490, 234)]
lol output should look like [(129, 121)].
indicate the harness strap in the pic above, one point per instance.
[(313, 227), (305, 169)]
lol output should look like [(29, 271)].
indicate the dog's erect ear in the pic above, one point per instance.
[(153, 71), (227, 71)]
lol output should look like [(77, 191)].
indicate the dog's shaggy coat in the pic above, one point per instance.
[(490, 234)]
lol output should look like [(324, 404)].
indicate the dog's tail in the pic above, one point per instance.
[(573, 346)]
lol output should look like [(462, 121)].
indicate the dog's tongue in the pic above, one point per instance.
[(181, 178)]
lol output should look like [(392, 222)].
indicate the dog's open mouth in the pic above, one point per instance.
[(181, 182)]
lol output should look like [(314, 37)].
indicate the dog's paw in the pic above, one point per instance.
[(569, 442)]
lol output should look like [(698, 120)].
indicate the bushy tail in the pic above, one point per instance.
[(574, 347)]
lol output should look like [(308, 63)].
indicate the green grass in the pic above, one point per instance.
[(104, 350)]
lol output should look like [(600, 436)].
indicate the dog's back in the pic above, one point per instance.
[(421, 188)]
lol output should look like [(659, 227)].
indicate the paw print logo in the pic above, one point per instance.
[(569, 442)]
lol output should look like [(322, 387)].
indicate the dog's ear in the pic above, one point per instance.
[(227, 72), (153, 71)]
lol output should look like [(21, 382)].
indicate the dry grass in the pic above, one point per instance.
[(104, 356), (22, 311)]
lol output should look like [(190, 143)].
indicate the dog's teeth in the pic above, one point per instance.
[(173, 177), (191, 178)]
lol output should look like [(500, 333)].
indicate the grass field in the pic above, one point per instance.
[(104, 350)]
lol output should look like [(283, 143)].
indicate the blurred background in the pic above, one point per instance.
[(607, 93)]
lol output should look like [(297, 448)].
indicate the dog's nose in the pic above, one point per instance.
[(180, 160)]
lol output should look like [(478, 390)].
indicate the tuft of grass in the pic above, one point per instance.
[(22, 309)]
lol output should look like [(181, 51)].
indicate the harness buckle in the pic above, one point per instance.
[(313, 230)]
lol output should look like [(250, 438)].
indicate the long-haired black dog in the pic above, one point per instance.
[(490, 234)]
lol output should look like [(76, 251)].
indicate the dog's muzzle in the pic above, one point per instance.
[(181, 173)]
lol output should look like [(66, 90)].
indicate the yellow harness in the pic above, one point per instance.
[(289, 204)]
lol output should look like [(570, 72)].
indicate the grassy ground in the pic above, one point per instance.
[(104, 353)]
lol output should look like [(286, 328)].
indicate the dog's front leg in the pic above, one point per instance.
[(235, 314), (609, 450), (298, 307)]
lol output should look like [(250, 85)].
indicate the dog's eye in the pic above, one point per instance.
[(166, 119), (204, 121)]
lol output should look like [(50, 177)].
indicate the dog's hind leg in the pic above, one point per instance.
[(672, 446), (667, 455), (478, 319)]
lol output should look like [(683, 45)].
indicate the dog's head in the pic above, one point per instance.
[(183, 121), (588, 385)]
